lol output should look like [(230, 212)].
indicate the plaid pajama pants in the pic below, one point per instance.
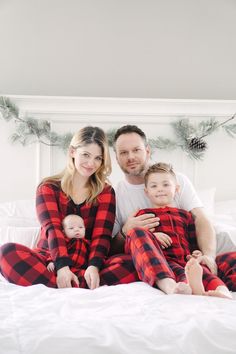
[(22, 266), (151, 264)]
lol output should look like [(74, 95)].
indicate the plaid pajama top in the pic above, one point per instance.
[(53, 205), (179, 225)]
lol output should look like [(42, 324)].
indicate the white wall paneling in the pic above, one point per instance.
[(25, 166)]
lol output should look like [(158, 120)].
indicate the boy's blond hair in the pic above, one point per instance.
[(160, 167)]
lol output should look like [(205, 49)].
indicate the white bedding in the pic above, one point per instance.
[(133, 318)]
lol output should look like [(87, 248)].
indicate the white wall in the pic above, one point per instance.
[(23, 167), (119, 48)]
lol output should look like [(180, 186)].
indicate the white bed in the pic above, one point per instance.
[(117, 319)]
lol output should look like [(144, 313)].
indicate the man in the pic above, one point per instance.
[(133, 157)]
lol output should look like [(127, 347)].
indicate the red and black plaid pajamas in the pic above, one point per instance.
[(23, 266), (152, 262)]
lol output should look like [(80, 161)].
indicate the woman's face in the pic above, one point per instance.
[(87, 159)]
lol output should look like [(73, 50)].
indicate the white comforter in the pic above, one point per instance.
[(132, 318)]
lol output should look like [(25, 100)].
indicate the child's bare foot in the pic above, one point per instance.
[(193, 271), (169, 286), (182, 288), (220, 291)]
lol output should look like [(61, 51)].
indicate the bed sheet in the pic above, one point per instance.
[(117, 319), (112, 320)]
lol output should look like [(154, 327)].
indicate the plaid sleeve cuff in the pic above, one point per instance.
[(96, 262), (62, 262)]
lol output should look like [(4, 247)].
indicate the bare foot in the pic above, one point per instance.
[(169, 286), (182, 288), (193, 272), (220, 291)]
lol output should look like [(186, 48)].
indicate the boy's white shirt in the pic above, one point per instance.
[(131, 197)]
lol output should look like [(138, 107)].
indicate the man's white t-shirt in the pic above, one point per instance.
[(131, 197)]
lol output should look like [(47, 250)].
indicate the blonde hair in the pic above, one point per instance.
[(85, 136), (160, 167)]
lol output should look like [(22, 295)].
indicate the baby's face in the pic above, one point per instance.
[(74, 227)]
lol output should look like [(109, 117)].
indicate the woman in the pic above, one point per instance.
[(81, 188)]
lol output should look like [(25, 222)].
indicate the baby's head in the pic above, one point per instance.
[(73, 226), (160, 184)]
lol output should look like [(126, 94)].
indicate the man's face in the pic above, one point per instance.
[(131, 153)]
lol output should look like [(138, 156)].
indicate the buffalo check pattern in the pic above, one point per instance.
[(152, 262), (23, 266)]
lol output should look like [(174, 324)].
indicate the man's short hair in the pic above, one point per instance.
[(127, 129)]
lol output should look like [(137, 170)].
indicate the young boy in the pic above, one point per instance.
[(73, 227), (176, 234)]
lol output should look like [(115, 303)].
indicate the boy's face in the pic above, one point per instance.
[(74, 227), (161, 189)]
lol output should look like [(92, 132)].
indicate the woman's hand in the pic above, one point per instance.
[(146, 221), (92, 278), (164, 239), (65, 277)]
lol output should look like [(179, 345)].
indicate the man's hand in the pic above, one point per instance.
[(195, 254), (209, 262), (92, 278), (164, 239), (146, 221), (65, 277)]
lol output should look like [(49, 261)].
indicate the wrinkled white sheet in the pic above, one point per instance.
[(132, 318)]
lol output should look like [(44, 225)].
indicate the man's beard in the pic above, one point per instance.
[(139, 172)]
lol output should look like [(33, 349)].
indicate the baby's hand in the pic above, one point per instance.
[(164, 239), (50, 267)]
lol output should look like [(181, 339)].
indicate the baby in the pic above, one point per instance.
[(73, 227)]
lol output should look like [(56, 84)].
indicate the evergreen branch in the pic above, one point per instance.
[(8, 109), (230, 130), (183, 129), (162, 143), (216, 125), (189, 136), (110, 136)]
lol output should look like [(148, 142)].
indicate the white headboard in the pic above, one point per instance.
[(25, 166)]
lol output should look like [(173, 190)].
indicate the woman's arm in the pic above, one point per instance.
[(101, 236), (47, 201), (103, 225)]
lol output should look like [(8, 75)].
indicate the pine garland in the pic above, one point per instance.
[(189, 137)]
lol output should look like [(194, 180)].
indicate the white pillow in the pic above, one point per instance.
[(226, 207), (27, 236), (207, 197), (18, 221), (18, 213), (225, 239), (25, 208)]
